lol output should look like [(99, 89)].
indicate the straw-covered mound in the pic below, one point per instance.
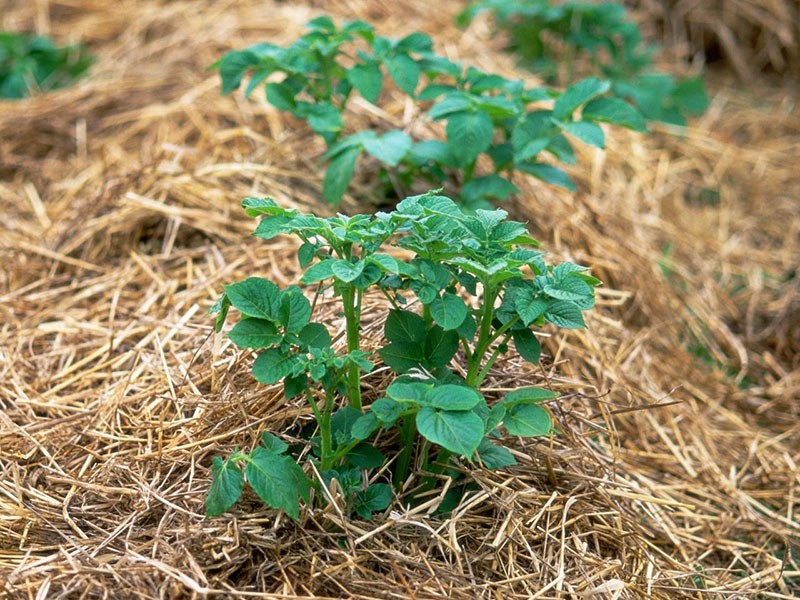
[(749, 35), (675, 470)]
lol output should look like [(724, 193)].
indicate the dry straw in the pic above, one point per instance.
[(675, 474)]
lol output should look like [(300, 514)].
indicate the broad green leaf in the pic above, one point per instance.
[(387, 411), (365, 426), (271, 227), (529, 307), (295, 310), (527, 345), (468, 134), (401, 357), (448, 310), (527, 395), (435, 151), (318, 272), (296, 385), (493, 456), (280, 96), (491, 186), (590, 133), (455, 102), (452, 397), (277, 480), (272, 365), (389, 148), (527, 420), (565, 314), (548, 173), (340, 172), (404, 326), (254, 333), (415, 42), (273, 443), (690, 96), (227, 483), (459, 432), (305, 254), (375, 498), (577, 94), (221, 307), (324, 118), (614, 111), (387, 264), (441, 346), (408, 392), (404, 71), (315, 335), (367, 79), (342, 423), (572, 287), (346, 271), (255, 297), (365, 456)]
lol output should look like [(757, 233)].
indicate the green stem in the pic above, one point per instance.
[(407, 435), (484, 337), (490, 363), (326, 439), (351, 300)]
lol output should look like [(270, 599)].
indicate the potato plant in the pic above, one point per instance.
[(473, 286), (484, 114), (550, 37)]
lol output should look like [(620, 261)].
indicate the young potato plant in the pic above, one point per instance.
[(31, 63), (484, 114), (550, 37), (473, 285)]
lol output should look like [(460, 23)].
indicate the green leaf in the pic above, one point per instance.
[(375, 498), (367, 79), (491, 186), (272, 365), (408, 392), (448, 310), (548, 173), (273, 443), (305, 254), (527, 345), (315, 335), (227, 483), (527, 395), (527, 420), (295, 310), (387, 264), (577, 94), (346, 271), (390, 148), (340, 172), (318, 272), (459, 432), (571, 287), (404, 71), (294, 386), (365, 426), (565, 314), (387, 411), (690, 96), (323, 118), (452, 397), (221, 307), (281, 96), (587, 132), (441, 346), (415, 42), (254, 333), (614, 111), (365, 456), (401, 357), (404, 326), (529, 307), (271, 227), (469, 134), (277, 480), (255, 297), (454, 102), (493, 456)]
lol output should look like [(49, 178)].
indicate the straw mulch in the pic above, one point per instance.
[(675, 474), (748, 35)]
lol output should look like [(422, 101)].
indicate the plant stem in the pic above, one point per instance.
[(407, 435), (353, 325), (326, 441), (484, 338)]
